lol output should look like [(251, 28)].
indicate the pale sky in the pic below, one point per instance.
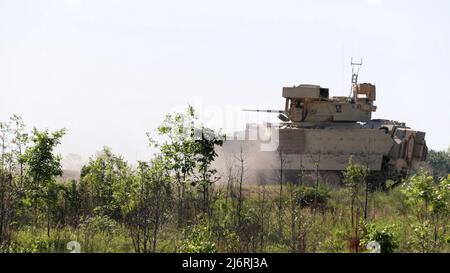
[(108, 70)]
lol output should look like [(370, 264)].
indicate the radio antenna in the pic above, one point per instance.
[(356, 66)]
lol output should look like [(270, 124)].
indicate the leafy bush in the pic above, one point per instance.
[(439, 162), (309, 196), (382, 234), (335, 243), (429, 201), (97, 230), (198, 239), (30, 240)]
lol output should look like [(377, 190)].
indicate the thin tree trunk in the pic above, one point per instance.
[(48, 222)]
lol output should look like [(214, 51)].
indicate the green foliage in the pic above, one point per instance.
[(178, 151), (115, 207), (98, 223), (336, 242), (439, 162), (422, 239), (310, 196), (97, 228), (188, 149), (382, 234), (178, 146), (198, 239), (426, 197), (13, 142), (150, 201), (43, 164), (223, 224), (430, 204), (35, 245), (31, 240), (106, 182), (42, 167), (205, 153), (354, 176), (71, 203)]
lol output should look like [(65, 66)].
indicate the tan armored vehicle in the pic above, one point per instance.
[(319, 133)]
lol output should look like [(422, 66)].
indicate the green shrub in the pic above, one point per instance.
[(198, 239), (309, 196), (335, 243), (382, 234)]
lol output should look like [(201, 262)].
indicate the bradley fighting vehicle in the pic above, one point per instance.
[(319, 133)]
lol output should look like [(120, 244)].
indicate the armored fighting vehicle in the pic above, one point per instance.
[(318, 134)]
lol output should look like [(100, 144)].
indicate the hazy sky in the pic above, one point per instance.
[(108, 70)]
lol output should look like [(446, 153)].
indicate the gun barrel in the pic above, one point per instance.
[(266, 111)]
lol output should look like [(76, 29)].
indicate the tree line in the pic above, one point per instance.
[(173, 202)]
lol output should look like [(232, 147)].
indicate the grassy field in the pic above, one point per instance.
[(326, 228)]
